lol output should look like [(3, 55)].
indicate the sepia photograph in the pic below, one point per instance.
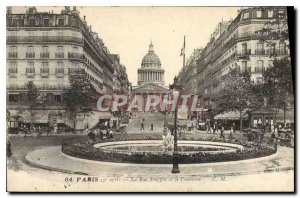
[(150, 99)]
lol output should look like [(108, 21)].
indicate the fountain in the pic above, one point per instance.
[(168, 143)]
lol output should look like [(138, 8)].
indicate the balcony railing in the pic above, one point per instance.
[(245, 52), (12, 55), (26, 39), (59, 55), (12, 72), (30, 72), (277, 51), (59, 72), (260, 52), (44, 71), (44, 55), (77, 56), (30, 55)]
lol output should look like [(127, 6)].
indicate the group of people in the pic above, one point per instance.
[(219, 126), (106, 132), (143, 125)]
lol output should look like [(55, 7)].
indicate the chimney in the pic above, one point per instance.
[(84, 18), (90, 28)]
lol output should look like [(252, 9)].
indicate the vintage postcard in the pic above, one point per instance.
[(150, 99)]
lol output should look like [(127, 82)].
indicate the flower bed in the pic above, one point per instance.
[(86, 150)]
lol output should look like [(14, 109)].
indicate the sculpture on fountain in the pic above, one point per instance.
[(168, 143)]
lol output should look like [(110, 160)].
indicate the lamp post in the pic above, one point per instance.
[(176, 87)]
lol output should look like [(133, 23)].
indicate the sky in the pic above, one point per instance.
[(127, 31)]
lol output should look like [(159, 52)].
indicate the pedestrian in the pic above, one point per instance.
[(222, 131), (231, 133), (151, 127), (101, 134), (208, 127), (214, 128), (233, 126), (107, 134), (25, 131), (49, 131), (142, 124), (111, 136)]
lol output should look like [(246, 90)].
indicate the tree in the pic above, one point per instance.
[(236, 94), (79, 95), (278, 84), (32, 98)]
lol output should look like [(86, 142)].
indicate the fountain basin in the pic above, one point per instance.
[(154, 147)]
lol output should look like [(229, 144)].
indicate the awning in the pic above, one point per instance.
[(102, 115), (232, 115)]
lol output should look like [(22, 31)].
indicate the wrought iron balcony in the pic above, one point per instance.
[(44, 55), (59, 55), (44, 71), (30, 72), (12, 54), (43, 39), (59, 72), (30, 55)]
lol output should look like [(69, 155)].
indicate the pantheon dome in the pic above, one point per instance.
[(151, 70)]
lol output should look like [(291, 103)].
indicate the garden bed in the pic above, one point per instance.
[(86, 150)]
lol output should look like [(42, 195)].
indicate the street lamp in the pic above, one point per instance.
[(176, 87)]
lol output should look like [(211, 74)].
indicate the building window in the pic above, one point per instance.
[(57, 98), (13, 68), (45, 64), (282, 48), (30, 64), (260, 49), (259, 80), (61, 22), (30, 52), (30, 69), (60, 52), (31, 22), (244, 48), (60, 64), (244, 66), (13, 52), (14, 22), (258, 14), (281, 14), (270, 14), (31, 35), (13, 98), (246, 15), (45, 52), (259, 66), (46, 22)]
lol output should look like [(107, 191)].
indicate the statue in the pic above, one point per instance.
[(168, 143)]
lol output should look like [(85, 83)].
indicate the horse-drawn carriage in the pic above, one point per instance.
[(285, 137)]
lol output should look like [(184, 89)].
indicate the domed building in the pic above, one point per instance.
[(151, 70), (150, 77)]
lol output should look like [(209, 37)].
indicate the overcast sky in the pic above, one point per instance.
[(127, 31)]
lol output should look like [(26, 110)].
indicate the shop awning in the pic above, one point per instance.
[(232, 115), (102, 114)]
